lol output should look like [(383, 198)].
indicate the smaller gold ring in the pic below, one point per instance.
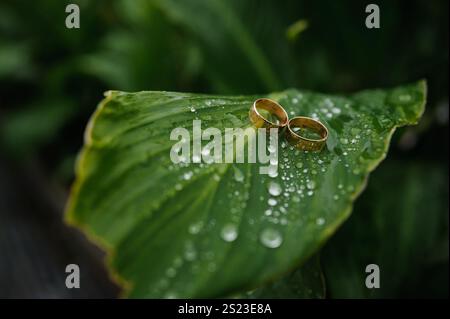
[(303, 143), (271, 106)]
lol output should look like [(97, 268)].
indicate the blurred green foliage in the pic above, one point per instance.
[(51, 77), (401, 224), (216, 46)]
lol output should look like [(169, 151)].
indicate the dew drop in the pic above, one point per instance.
[(229, 233), (187, 175), (192, 109), (272, 201), (336, 110), (238, 176), (320, 221), (195, 228), (274, 189), (272, 171), (271, 238), (311, 184)]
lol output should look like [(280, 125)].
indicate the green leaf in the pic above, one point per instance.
[(401, 224), (163, 224)]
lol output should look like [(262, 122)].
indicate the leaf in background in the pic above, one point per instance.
[(14, 61), (24, 131), (142, 52), (306, 282), (231, 54), (400, 224), (212, 230)]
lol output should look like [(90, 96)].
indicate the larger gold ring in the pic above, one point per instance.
[(273, 108), (303, 143)]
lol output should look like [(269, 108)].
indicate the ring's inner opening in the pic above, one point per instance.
[(307, 132), (271, 111), (269, 116)]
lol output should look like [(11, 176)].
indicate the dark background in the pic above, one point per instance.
[(51, 79)]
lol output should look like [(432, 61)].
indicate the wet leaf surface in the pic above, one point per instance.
[(211, 230)]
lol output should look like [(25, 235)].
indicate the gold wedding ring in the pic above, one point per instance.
[(304, 143), (273, 108)]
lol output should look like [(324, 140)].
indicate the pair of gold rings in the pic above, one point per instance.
[(293, 126)]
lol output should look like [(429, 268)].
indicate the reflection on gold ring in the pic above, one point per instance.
[(304, 143), (273, 108)]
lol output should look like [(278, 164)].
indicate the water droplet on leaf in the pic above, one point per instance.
[(229, 232), (320, 221), (271, 238), (238, 176), (274, 189)]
